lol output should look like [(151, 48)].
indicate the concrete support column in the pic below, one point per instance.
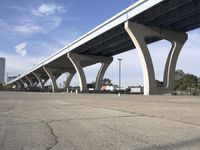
[(138, 33), (26, 82), (29, 80), (76, 61), (80, 61), (38, 76), (177, 40), (70, 75), (52, 77), (17, 84), (22, 83), (102, 70)]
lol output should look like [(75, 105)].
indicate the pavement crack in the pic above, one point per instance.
[(53, 135), (17, 124), (121, 132), (4, 139), (64, 106), (160, 117), (145, 115), (10, 108), (100, 118)]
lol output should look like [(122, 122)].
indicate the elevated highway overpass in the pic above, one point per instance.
[(142, 23)]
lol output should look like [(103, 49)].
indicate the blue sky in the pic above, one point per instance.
[(31, 30)]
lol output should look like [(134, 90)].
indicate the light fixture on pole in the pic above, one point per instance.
[(119, 75)]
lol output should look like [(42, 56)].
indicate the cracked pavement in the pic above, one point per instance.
[(61, 121)]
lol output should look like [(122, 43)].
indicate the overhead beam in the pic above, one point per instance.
[(179, 14), (160, 10), (100, 39)]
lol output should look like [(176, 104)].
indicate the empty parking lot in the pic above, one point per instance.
[(44, 121)]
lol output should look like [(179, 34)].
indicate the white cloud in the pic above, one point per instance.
[(56, 22), (21, 49), (28, 29), (47, 9), (22, 28), (4, 26), (41, 19)]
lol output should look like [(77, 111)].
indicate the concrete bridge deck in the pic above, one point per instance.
[(44, 121)]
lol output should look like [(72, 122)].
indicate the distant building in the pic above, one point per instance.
[(108, 88), (136, 89), (2, 70)]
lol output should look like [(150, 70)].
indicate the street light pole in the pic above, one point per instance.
[(119, 73)]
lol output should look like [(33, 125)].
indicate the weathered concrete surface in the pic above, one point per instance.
[(44, 121)]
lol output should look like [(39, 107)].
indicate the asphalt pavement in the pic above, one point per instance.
[(61, 121)]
